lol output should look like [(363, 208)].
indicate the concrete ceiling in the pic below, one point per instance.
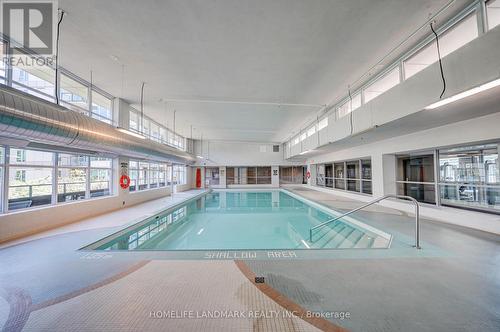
[(261, 51)]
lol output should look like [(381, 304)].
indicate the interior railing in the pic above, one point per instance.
[(409, 198)]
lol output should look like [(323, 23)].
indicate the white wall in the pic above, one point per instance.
[(222, 153), (484, 128)]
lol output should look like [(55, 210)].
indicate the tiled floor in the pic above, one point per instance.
[(47, 285)]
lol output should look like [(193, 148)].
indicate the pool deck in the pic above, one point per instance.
[(451, 284)]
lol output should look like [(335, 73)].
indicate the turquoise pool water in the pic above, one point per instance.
[(243, 220)]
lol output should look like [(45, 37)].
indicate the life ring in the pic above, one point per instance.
[(124, 181), (308, 175)]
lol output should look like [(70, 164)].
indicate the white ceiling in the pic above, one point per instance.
[(263, 51)]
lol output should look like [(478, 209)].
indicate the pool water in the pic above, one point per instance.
[(244, 220)]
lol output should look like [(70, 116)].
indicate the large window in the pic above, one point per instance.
[(102, 107), (415, 177), (30, 178), (179, 174), (351, 175), (248, 175), (293, 174), (469, 177), (349, 105), (71, 177), (101, 175), (212, 176), (145, 175), (74, 93), (35, 80), (38, 178), (155, 131)]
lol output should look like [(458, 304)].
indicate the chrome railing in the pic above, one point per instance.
[(413, 200)]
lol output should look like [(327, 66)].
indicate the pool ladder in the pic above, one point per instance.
[(409, 198)]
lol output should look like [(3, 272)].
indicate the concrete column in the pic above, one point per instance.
[(222, 176), (312, 169), (383, 175), (275, 176)]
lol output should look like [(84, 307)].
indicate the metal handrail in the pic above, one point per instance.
[(409, 198)]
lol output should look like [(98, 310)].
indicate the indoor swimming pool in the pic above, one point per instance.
[(241, 220)]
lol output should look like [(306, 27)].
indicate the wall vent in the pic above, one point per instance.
[(276, 148)]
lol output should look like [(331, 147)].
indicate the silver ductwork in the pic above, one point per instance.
[(36, 123)]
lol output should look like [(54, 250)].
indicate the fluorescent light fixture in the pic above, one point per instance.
[(307, 151), (131, 133), (201, 157), (464, 94)]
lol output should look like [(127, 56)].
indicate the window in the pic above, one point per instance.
[(366, 176), (493, 11), (36, 80), (145, 127), (154, 170), (155, 132), (415, 177), (101, 175), (293, 174), (71, 177), (74, 93), (102, 107), (169, 174), (30, 179), (134, 121), (323, 124), (212, 175), (179, 174), (162, 175), (382, 84), (2, 63), (352, 175), (144, 175), (296, 140), (248, 175), (133, 173), (311, 131), (349, 105), (469, 177), (459, 35), (454, 38), (303, 136)]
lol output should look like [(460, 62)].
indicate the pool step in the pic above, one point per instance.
[(352, 239), (330, 234)]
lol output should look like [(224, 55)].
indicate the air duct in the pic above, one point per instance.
[(43, 124)]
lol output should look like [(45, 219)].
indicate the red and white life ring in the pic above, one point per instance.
[(124, 181), (308, 175)]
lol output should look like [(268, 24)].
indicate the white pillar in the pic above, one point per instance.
[(275, 176), (222, 176)]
